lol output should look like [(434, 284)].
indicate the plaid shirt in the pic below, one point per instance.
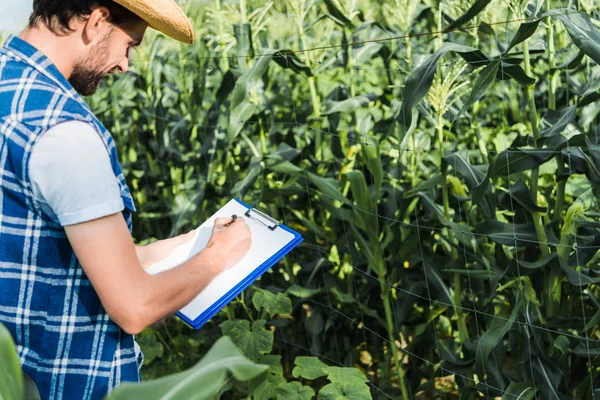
[(65, 340)]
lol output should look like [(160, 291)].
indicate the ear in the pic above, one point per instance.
[(96, 26)]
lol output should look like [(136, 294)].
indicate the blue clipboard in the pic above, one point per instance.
[(240, 287)]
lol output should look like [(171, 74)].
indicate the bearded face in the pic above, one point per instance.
[(89, 73)]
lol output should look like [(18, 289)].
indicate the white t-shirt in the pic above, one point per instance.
[(71, 175)]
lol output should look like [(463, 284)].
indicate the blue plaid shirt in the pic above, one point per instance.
[(65, 340)]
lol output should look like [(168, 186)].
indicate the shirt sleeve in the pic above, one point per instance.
[(71, 175)]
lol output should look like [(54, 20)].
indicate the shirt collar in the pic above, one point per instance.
[(36, 59)]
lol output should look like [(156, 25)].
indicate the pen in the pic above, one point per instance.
[(233, 218)]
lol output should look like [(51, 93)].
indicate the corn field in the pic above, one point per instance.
[(440, 158)]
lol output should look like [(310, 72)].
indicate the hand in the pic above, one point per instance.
[(158, 251), (228, 245)]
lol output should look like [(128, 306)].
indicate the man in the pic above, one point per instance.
[(73, 289)]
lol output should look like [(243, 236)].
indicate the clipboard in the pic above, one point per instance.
[(271, 241)]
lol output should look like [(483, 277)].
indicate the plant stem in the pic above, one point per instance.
[(385, 297), (457, 295), (316, 101), (553, 75), (477, 128), (553, 285), (412, 155), (535, 128), (244, 11), (408, 49), (221, 31), (440, 25)]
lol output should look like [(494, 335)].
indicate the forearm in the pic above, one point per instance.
[(140, 252), (135, 299), (166, 293)]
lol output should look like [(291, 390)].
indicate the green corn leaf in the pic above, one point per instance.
[(284, 152), (295, 391), (253, 340), (436, 281), (203, 381), (519, 391), (473, 176), (432, 182), (463, 233), (552, 136), (519, 194), (241, 114), (517, 160), (577, 278), (244, 48), (511, 161), (251, 78), (583, 32), (349, 105), (493, 336), (525, 31), (420, 80), (11, 377), (328, 187), (364, 200), (287, 168), (371, 150), (337, 16), (515, 72), (371, 253), (511, 234), (482, 84), (254, 170), (289, 60), (365, 53), (543, 263), (433, 315), (476, 8), (586, 350), (309, 368), (431, 206), (548, 377), (592, 323), (585, 253)]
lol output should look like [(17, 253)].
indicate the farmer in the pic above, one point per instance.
[(73, 289)]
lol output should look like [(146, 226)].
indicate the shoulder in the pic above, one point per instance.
[(69, 145)]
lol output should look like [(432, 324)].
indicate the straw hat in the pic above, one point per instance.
[(163, 15)]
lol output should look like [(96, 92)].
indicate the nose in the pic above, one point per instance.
[(124, 65)]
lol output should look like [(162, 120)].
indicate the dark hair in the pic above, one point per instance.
[(57, 14)]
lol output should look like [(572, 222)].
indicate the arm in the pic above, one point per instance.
[(159, 250), (133, 298)]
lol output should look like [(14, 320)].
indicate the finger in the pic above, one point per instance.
[(222, 222)]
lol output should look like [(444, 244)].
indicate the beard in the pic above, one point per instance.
[(87, 76)]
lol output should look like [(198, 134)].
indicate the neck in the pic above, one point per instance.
[(53, 46)]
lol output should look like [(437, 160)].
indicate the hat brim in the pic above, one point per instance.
[(163, 15)]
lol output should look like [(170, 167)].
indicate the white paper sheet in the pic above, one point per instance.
[(265, 244)]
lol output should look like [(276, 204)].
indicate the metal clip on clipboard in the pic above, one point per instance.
[(264, 219)]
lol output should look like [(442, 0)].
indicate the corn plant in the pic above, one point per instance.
[(441, 160)]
